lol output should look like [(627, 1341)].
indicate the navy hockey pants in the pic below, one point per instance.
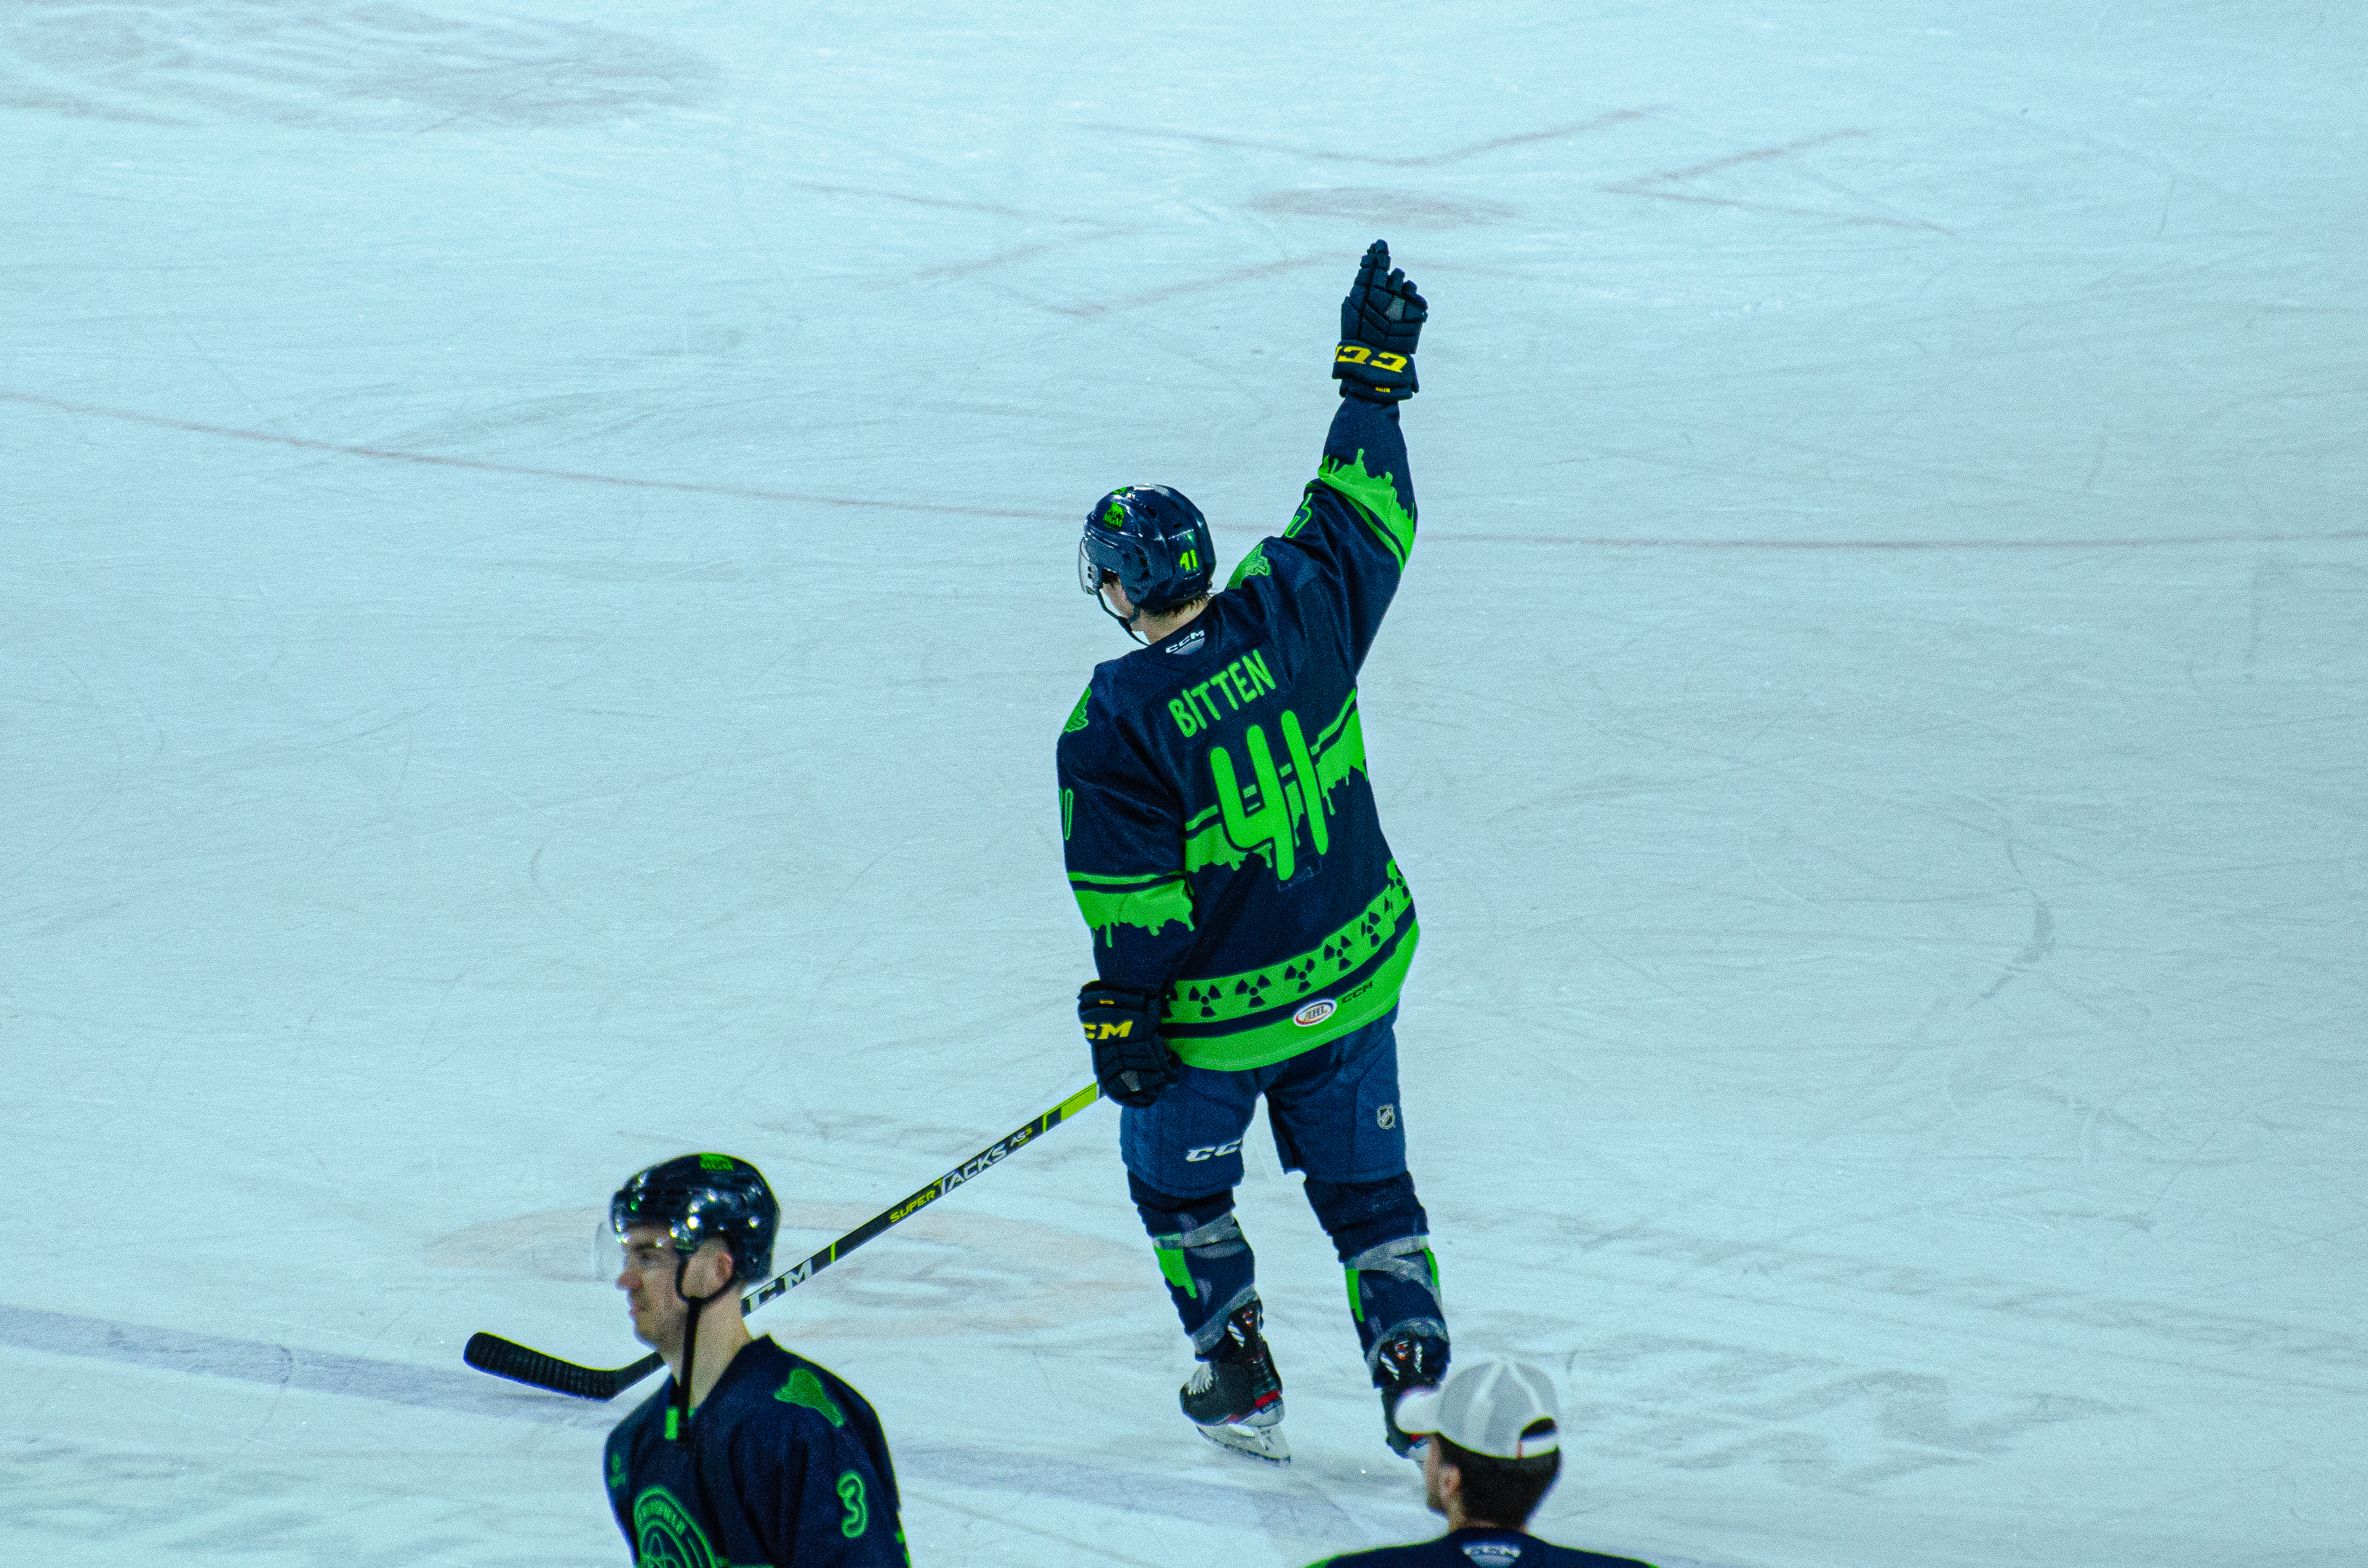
[(1335, 1115)]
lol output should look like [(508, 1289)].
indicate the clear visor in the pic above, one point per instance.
[(607, 1252), (610, 1246), (1096, 555)]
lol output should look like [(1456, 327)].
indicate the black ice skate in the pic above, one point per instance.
[(1402, 1362), (1235, 1396)]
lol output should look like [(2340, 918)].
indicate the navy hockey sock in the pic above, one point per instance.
[(1209, 1270), (1379, 1231)]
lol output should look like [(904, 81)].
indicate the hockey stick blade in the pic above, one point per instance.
[(508, 1358)]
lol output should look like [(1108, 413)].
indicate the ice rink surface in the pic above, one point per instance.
[(540, 597)]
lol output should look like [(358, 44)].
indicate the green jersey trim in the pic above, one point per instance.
[(1151, 905), (1224, 998), (1283, 1039), (1375, 500)]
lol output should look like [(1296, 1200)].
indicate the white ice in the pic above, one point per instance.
[(539, 597)]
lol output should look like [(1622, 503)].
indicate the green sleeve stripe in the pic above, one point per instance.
[(1143, 879), (1381, 537), (1347, 711), (1152, 908), (1375, 498)]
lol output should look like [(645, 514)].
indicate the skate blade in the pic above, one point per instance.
[(1260, 1442)]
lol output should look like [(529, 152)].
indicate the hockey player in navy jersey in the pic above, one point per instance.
[(1250, 929), (748, 1454)]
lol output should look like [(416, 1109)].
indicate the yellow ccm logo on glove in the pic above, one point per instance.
[(1109, 1031), (1358, 354)]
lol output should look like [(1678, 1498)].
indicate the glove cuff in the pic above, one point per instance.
[(1374, 374)]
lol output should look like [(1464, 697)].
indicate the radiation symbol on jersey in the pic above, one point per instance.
[(669, 1536)]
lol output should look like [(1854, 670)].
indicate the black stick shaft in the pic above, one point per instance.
[(508, 1358)]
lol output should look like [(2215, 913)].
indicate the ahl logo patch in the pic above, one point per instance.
[(1315, 1012), (1493, 1553)]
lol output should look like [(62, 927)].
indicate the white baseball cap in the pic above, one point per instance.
[(1484, 1407)]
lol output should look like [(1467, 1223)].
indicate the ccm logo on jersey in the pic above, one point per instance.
[(1214, 1149), (1315, 1012)]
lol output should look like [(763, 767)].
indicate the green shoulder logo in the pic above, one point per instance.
[(1077, 719), (617, 1476), (804, 1388), (666, 1535)]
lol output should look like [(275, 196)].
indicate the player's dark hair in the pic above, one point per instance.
[(1503, 1492)]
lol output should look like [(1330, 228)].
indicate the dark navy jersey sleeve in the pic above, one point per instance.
[(1348, 545), (1127, 868)]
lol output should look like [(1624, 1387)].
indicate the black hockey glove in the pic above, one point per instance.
[(1132, 1062), (1380, 322)]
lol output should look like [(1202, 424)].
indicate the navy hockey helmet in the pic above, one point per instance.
[(1153, 541), (705, 1197)]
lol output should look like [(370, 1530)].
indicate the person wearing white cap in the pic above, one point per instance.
[(1493, 1450)]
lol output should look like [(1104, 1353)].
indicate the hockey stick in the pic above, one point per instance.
[(508, 1358)]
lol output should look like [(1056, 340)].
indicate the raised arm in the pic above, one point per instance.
[(1354, 530)]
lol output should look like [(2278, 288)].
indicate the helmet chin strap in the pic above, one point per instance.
[(679, 1417), (1125, 621)]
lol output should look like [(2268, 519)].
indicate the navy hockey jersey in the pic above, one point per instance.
[(785, 1464), (1215, 814), (1480, 1546)]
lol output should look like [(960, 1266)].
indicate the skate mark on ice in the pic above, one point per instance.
[(1012, 256), (1081, 231), (2148, 1331), (2169, 542), (1395, 208), (1425, 161), (1698, 1404), (1652, 185), (1197, 286), (366, 67), (1001, 1468), (943, 203), (382, 454), (2041, 943)]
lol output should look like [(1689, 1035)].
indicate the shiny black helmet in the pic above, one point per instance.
[(705, 1197), (1155, 543)]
